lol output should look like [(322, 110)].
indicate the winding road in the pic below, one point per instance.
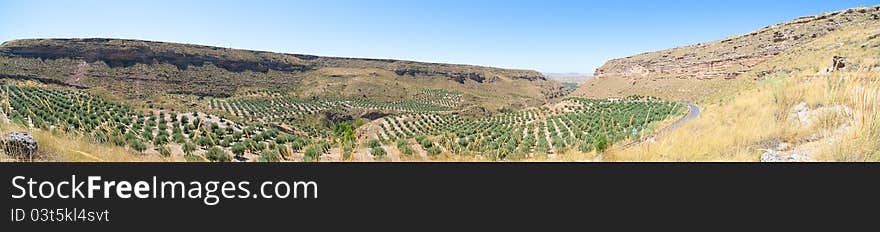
[(693, 113)]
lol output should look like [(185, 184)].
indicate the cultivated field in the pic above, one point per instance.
[(272, 126)]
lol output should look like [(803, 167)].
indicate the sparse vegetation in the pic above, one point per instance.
[(798, 112), (761, 101)]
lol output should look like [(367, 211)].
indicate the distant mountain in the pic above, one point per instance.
[(571, 77)]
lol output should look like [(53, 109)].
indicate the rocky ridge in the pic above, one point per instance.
[(735, 55)]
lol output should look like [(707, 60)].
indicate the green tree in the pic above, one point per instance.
[(344, 131)]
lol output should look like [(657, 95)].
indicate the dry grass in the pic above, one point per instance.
[(862, 142), (735, 128), (65, 148)]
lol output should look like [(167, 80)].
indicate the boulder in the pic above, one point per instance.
[(773, 156), (838, 63), (20, 145)]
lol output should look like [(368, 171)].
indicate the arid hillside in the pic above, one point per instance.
[(695, 72), (137, 69), (816, 102)]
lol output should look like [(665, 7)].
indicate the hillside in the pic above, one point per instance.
[(814, 102), (135, 69), (695, 72)]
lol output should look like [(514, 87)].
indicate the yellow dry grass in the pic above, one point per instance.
[(734, 128), (67, 148)]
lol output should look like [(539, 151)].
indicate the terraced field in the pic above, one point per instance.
[(194, 135), (276, 107), (575, 123), (266, 126)]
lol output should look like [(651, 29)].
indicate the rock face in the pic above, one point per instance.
[(136, 69), (20, 145), (735, 55), (118, 53)]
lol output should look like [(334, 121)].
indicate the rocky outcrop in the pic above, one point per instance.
[(134, 69), (838, 63), (457, 77), (736, 55), (127, 53), (19, 145)]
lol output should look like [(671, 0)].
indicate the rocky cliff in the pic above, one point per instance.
[(127, 53), (735, 55), (137, 69), (694, 73)]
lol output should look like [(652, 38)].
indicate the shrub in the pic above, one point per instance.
[(344, 130), (585, 146), (238, 149), (117, 140), (600, 143), (270, 156), (217, 154), (179, 138), (138, 145), (434, 151), (313, 153), (188, 148), (164, 151), (160, 140), (378, 153), (373, 143), (404, 148)]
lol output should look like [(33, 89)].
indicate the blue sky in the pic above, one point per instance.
[(549, 35)]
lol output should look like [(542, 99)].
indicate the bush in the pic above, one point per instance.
[(179, 138), (117, 140), (404, 148), (160, 140), (344, 130), (585, 146), (434, 151), (164, 151), (270, 156), (188, 148), (543, 147), (378, 153), (137, 145), (600, 143), (313, 153), (238, 149), (373, 143), (217, 154)]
